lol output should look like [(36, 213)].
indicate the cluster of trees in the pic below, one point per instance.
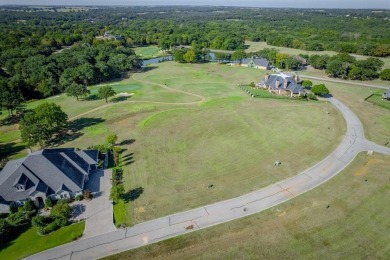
[(118, 189), (16, 222), (278, 59), (71, 70), (58, 218), (194, 54), (346, 66), (42, 124)]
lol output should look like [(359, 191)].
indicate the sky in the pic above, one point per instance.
[(366, 4)]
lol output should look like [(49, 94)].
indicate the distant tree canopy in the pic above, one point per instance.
[(43, 53), (346, 66)]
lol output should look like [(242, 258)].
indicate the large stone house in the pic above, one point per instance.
[(55, 173), (282, 84)]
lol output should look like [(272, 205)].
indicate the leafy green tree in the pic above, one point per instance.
[(106, 92), (40, 125), (239, 55), (306, 84), (190, 56), (111, 139), (385, 74), (77, 90), (10, 98), (320, 90)]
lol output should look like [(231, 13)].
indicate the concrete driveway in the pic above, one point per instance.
[(97, 212)]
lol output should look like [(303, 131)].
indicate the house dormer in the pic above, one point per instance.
[(20, 184)]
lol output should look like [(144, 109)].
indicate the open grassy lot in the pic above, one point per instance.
[(30, 242), (375, 117), (257, 46), (355, 226), (174, 152), (149, 52), (141, 92), (230, 141), (231, 144)]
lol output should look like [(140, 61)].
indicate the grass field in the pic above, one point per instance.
[(374, 117), (230, 140), (149, 52), (30, 242), (355, 226), (257, 46)]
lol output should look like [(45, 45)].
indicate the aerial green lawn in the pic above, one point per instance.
[(373, 113), (175, 150), (149, 52), (345, 218), (30, 242), (230, 140)]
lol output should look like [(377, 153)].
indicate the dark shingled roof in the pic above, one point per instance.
[(46, 171), (292, 86)]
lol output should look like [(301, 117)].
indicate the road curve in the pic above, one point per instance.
[(342, 81), (220, 212)]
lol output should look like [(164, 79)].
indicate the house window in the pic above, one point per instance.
[(64, 196), (20, 187)]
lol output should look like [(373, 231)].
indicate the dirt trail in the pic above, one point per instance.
[(201, 98)]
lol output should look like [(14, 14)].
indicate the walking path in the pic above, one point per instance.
[(201, 98), (210, 215)]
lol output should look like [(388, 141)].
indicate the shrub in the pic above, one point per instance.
[(60, 210), (307, 84), (117, 174), (252, 85), (5, 231), (52, 226), (79, 197), (39, 221), (48, 202), (117, 193), (28, 206), (385, 74), (312, 96), (19, 218), (111, 139), (320, 89)]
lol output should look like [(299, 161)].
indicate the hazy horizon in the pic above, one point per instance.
[(330, 4)]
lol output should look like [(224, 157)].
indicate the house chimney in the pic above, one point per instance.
[(266, 77), (285, 83), (277, 84)]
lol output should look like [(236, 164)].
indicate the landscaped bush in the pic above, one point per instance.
[(116, 150), (320, 90), (307, 84), (5, 231), (20, 218), (117, 174), (78, 197), (48, 202), (312, 96), (117, 192), (28, 206)]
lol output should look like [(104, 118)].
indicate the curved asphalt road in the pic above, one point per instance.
[(203, 217)]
